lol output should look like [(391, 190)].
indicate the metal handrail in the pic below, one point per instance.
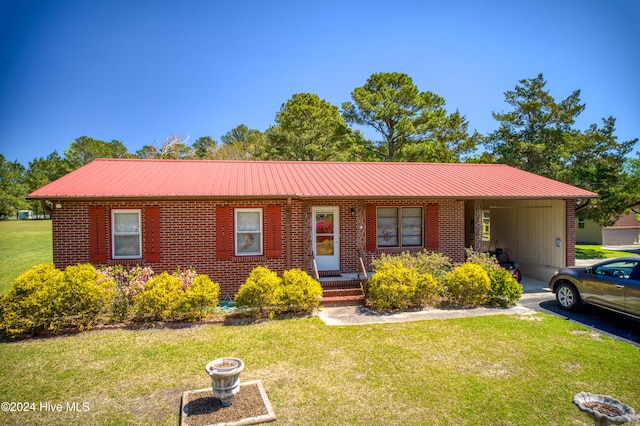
[(315, 266)]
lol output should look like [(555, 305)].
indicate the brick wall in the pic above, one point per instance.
[(570, 238), (188, 235)]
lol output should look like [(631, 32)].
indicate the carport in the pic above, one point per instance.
[(539, 234)]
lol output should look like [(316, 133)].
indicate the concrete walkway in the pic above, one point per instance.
[(352, 315)]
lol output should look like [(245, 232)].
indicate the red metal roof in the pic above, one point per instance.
[(133, 178)]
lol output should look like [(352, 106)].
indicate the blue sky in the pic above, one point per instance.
[(138, 71)]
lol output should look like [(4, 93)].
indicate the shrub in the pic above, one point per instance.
[(425, 262), (81, 297), (427, 291), (129, 282), (392, 286), (261, 289), (27, 305), (160, 298), (300, 291), (46, 298), (199, 295), (468, 284), (505, 290)]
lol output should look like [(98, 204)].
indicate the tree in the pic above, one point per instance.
[(42, 171), (414, 125), (309, 128), (148, 152), (12, 187), (204, 148), (175, 147), (85, 149), (240, 143), (538, 136)]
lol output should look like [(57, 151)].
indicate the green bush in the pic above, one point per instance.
[(159, 299), (261, 289), (505, 290), (46, 298), (468, 285), (425, 262), (81, 297), (27, 306), (392, 287), (428, 290), (300, 292), (201, 294)]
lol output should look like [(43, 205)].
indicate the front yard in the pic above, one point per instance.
[(497, 370)]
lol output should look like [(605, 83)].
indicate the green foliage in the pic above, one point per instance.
[(505, 290), (538, 136), (300, 292), (46, 298), (80, 298), (159, 300), (414, 125), (27, 306), (309, 128), (468, 285), (395, 286), (425, 262), (261, 289), (129, 282), (201, 294)]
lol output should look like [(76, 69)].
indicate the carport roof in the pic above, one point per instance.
[(166, 179)]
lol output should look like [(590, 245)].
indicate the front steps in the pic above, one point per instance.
[(342, 290)]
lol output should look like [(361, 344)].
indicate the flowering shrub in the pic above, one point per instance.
[(261, 289), (299, 291), (185, 277), (129, 283), (468, 284)]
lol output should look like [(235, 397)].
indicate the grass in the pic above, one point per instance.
[(597, 252), (499, 370), (23, 244)]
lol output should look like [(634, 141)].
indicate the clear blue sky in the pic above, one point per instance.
[(138, 71)]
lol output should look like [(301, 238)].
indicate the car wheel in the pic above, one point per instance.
[(567, 296)]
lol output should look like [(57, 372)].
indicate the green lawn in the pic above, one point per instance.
[(23, 244), (498, 370), (597, 252)]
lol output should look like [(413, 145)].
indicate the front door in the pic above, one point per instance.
[(326, 237)]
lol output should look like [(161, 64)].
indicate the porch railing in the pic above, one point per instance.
[(315, 266), (363, 270)]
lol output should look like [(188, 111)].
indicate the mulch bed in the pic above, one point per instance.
[(250, 406)]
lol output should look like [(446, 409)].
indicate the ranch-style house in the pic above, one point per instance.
[(224, 218)]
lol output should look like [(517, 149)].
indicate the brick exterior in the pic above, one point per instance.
[(570, 237), (188, 235)]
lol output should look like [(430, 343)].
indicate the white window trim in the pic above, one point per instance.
[(399, 228), (114, 233), (235, 231)]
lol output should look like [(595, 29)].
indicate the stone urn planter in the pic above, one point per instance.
[(225, 378), (603, 409)]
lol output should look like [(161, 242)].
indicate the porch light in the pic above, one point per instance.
[(558, 242), (352, 212)]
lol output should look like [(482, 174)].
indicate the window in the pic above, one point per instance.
[(248, 232), (399, 226), (126, 236), (486, 225), (580, 223)]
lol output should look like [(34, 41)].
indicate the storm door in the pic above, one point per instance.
[(326, 237)]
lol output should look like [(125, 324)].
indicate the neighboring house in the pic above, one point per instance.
[(226, 217), (625, 231)]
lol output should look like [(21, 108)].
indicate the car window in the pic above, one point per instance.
[(619, 269)]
